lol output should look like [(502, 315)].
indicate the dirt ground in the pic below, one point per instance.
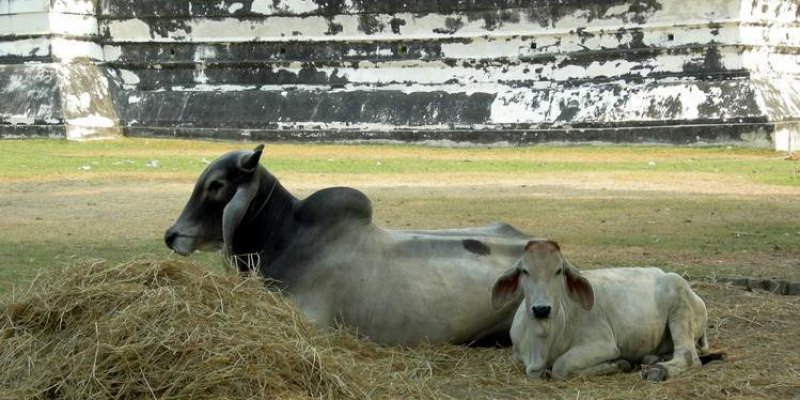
[(705, 226), (725, 226)]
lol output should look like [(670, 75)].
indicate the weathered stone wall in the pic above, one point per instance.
[(674, 71), (52, 79)]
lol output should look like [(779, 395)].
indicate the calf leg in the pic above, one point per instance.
[(607, 368), (684, 356), (650, 359), (591, 359)]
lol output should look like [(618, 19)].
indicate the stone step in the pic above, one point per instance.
[(617, 104), (695, 64), (745, 134)]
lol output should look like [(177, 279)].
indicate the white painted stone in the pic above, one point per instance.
[(374, 127), (45, 23), (203, 52), (481, 49), (269, 7), (779, 98), (37, 47), (416, 27), (774, 35), (591, 104), (128, 77), (21, 120), (67, 50), (787, 137), (200, 74), (86, 7), (25, 24), (202, 87), (128, 29), (757, 11), (261, 7), (8, 7), (519, 106), (16, 83), (77, 103), (112, 53), (296, 7), (234, 7), (86, 102), (72, 24), (92, 121)]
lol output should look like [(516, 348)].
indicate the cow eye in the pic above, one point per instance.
[(560, 270), (215, 186), (523, 271)]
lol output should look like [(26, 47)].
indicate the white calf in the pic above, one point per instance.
[(598, 322)]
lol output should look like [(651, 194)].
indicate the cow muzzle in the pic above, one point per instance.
[(178, 243), (169, 237)]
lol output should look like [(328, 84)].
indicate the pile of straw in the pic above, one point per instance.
[(168, 329)]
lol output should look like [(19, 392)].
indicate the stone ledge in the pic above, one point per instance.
[(8, 131), (774, 286), (754, 135)]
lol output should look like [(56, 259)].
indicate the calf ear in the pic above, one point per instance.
[(506, 288), (248, 163), (235, 210), (578, 287)]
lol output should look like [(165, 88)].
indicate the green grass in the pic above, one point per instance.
[(129, 159)]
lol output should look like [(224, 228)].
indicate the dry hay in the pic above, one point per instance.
[(168, 329), (165, 330)]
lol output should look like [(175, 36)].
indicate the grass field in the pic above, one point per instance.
[(703, 212)]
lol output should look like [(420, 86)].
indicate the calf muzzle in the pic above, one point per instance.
[(540, 312)]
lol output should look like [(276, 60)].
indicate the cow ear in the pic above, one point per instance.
[(578, 287), (248, 163), (235, 211), (506, 288)]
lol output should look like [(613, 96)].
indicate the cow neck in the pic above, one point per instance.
[(268, 224)]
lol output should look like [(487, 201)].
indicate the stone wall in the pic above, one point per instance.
[(53, 81), (485, 71)]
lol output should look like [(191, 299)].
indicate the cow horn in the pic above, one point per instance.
[(249, 163)]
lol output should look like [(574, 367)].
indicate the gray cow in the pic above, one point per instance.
[(395, 287)]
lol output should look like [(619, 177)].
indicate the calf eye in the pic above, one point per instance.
[(523, 271), (560, 270)]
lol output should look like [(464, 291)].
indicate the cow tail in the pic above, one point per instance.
[(705, 355)]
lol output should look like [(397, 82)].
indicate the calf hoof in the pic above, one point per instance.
[(650, 360), (536, 373), (655, 373), (624, 365)]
